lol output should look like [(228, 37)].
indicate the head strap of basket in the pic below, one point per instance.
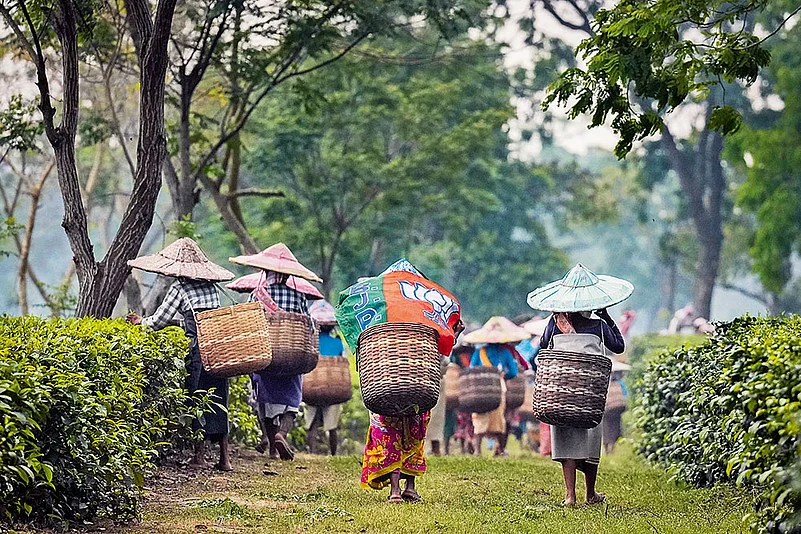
[(497, 330), (277, 258), (580, 290), (182, 259), (247, 283), (323, 313)]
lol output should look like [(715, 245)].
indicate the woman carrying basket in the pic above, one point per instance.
[(193, 291), (395, 445), (572, 300), (495, 348), (279, 396), (330, 346)]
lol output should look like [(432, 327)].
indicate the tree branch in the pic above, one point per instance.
[(253, 192), (251, 107)]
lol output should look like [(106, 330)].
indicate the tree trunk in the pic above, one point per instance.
[(246, 242), (25, 245), (702, 187), (185, 202)]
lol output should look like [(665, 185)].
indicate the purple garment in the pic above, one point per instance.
[(286, 390), (612, 337)]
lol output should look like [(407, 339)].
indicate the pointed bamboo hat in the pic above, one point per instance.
[(580, 290), (182, 259), (536, 326), (497, 330), (323, 313), (248, 283), (277, 258)]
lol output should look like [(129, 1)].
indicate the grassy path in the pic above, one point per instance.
[(320, 494)]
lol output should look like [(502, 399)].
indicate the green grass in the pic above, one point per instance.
[(522, 494)]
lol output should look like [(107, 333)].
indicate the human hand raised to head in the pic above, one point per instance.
[(458, 328), (602, 313)]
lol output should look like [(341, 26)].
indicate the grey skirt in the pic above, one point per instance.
[(569, 443)]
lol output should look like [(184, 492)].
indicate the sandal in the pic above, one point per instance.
[(598, 498), (395, 499), (565, 504), (283, 448), (411, 496)]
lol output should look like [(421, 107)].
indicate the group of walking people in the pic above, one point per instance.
[(280, 285), (395, 445)]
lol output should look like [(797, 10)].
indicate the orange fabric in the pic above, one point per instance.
[(414, 299)]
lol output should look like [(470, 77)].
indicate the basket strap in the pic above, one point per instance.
[(226, 293)]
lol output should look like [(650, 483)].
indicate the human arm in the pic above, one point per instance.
[(169, 308), (545, 340), (612, 337)]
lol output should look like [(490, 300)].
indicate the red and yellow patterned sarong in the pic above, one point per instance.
[(394, 444)]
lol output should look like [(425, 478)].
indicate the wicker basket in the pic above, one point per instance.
[(479, 390), (527, 408), (515, 392), (399, 368), (329, 383), (570, 388), (615, 398), (234, 340), (452, 386), (295, 343)]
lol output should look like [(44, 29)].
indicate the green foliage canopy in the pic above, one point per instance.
[(655, 55)]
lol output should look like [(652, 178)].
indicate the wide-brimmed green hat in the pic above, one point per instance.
[(580, 290)]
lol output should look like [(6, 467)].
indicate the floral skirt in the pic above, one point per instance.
[(394, 444)]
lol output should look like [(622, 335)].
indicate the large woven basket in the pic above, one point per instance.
[(234, 340), (570, 388), (294, 341), (329, 383), (527, 408), (515, 392), (399, 368), (615, 398), (452, 386), (479, 390)]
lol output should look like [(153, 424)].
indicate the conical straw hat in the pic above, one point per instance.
[(182, 259), (248, 283), (536, 326), (497, 330), (277, 258), (323, 312), (580, 290)]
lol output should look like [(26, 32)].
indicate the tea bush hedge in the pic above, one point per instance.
[(729, 410), (84, 406)]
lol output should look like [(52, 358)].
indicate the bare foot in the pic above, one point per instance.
[(225, 467), (197, 463)]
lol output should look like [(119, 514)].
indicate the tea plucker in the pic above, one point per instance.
[(193, 291), (279, 396), (572, 301), (495, 347)]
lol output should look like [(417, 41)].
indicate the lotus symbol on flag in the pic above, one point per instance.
[(442, 305)]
